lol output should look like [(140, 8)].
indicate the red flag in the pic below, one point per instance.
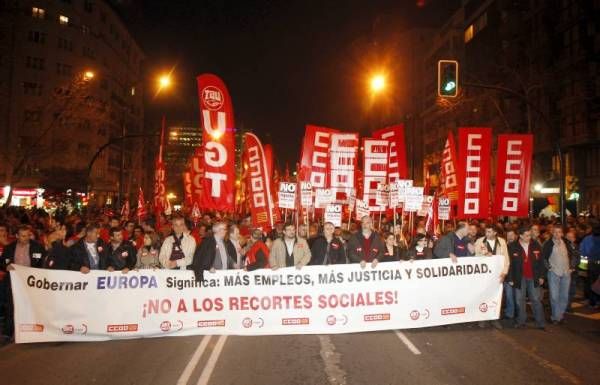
[(259, 183), (315, 155), (397, 168), (449, 168), (474, 151), (141, 205), (216, 110), (196, 176), (160, 176), (513, 175), (343, 152), (375, 162), (269, 158), (187, 188)]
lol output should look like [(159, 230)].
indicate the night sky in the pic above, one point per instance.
[(286, 63)]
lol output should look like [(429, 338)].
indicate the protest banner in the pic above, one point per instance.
[(333, 214), (56, 305)]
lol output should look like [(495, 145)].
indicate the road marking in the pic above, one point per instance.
[(189, 369), (335, 374), (408, 343), (557, 369), (212, 361)]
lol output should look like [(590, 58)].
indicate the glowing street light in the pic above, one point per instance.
[(88, 75), (171, 196), (164, 81), (377, 83), (538, 187)]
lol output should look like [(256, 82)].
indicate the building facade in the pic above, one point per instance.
[(70, 80), (547, 53)]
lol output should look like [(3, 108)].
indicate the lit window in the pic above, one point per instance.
[(469, 33), (63, 20), (38, 13)]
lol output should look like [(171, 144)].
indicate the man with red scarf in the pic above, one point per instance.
[(526, 276), (366, 245)]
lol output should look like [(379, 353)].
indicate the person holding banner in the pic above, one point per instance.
[(365, 246), (327, 249), (420, 249), (147, 256), (392, 252), (455, 244), (526, 276), (24, 251), (257, 253), (290, 250), (89, 253), (215, 253), (492, 244), (177, 251), (121, 253)]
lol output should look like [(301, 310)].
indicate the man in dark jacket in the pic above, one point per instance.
[(24, 251), (121, 254), (327, 249), (526, 275), (365, 246), (561, 260), (455, 244), (89, 253), (214, 253)]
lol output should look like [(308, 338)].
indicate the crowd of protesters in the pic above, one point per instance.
[(536, 252)]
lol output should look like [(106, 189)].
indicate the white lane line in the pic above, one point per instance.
[(335, 374), (408, 343), (212, 361), (189, 369)]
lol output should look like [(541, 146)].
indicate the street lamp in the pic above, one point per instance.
[(377, 83), (538, 187), (164, 81), (88, 75)]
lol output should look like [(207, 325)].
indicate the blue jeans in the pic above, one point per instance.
[(509, 301), (559, 294), (528, 287)]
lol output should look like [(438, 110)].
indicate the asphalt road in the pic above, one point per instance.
[(462, 354)]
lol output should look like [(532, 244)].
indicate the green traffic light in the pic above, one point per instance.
[(450, 86)]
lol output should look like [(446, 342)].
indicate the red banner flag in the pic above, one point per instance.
[(259, 183), (196, 177), (315, 155), (269, 158), (125, 211), (187, 189), (141, 205), (160, 176), (375, 162), (513, 175), (449, 169), (342, 166), (397, 167), (218, 162), (474, 151)]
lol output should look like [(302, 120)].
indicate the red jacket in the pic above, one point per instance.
[(257, 257)]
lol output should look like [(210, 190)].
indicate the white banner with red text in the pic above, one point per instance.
[(53, 305)]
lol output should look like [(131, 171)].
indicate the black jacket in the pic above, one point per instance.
[(337, 254), (574, 256), (396, 255), (206, 253), (356, 244), (80, 257), (59, 257), (124, 256), (427, 253), (37, 254), (517, 256)]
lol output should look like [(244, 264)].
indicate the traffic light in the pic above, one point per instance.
[(447, 78)]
